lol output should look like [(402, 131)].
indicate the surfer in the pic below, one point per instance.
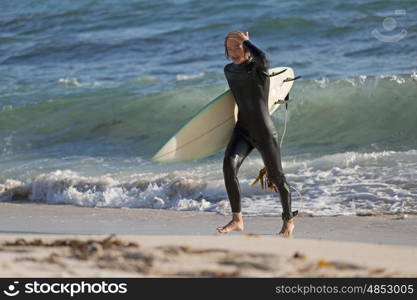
[(248, 79)]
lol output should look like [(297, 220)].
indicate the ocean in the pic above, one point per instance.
[(90, 90)]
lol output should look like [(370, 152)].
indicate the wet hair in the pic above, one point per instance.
[(225, 43)]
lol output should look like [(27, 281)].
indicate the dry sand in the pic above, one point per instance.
[(66, 241)]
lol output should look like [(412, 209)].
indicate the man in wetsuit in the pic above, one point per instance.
[(248, 79)]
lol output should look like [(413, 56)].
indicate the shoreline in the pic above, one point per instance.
[(39, 218)]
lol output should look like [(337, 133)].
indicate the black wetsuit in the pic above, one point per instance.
[(249, 82)]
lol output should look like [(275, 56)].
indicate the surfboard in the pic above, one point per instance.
[(211, 128)]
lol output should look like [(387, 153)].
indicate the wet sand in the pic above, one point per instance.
[(33, 218)]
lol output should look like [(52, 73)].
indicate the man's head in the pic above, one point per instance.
[(234, 49)]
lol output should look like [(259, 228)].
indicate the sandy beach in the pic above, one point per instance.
[(38, 240), (92, 90)]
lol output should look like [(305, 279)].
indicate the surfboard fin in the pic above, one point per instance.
[(291, 79), (277, 73), (283, 101)]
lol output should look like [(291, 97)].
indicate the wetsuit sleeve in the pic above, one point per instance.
[(258, 55)]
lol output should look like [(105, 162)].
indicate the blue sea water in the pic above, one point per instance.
[(90, 90)]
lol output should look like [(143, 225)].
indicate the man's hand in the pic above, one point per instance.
[(239, 36)]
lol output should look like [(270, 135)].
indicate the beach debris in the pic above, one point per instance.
[(366, 213), (252, 235), (103, 256), (299, 255), (338, 265), (345, 266), (54, 258), (209, 273), (106, 243), (127, 260), (81, 249), (265, 181), (176, 250), (244, 264), (325, 264), (378, 270)]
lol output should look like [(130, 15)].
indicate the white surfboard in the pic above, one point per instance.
[(211, 128)]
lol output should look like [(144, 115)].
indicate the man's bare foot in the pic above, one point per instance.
[(235, 225), (231, 226), (287, 228)]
